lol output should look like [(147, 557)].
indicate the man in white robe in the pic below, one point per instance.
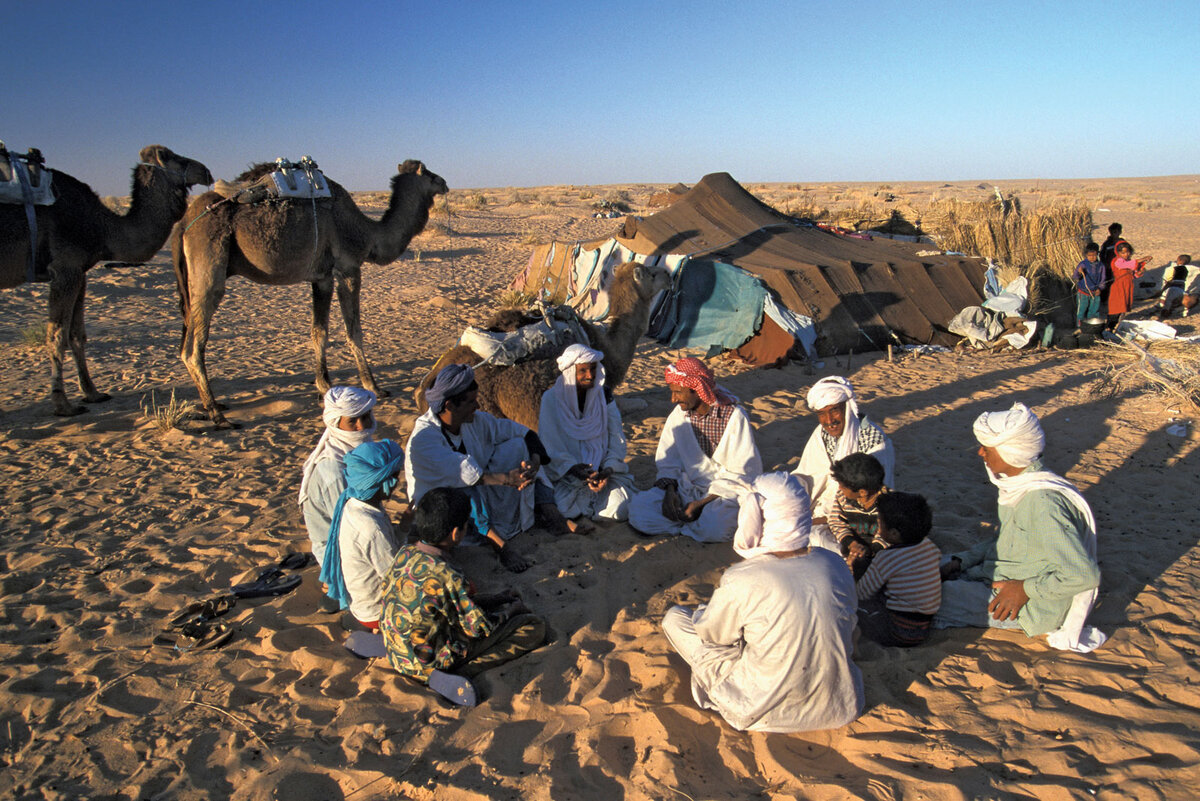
[(706, 455), (496, 460), (771, 651), (581, 429), (841, 432), (348, 424)]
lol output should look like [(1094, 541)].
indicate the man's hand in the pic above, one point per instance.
[(581, 471), (598, 480), (672, 507), (1010, 597), (951, 569), (691, 512), (857, 550)]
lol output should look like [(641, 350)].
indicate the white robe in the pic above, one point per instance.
[(570, 494), (368, 547), (734, 464), (815, 468), (772, 649), (325, 486), (492, 445)]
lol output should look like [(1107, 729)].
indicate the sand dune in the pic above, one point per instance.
[(109, 527)]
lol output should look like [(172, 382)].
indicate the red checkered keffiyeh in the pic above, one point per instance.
[(692, 373)]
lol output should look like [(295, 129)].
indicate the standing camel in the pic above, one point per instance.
[(516, 392), (76, 232), (275, 243)]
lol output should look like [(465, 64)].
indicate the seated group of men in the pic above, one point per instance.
[(827, 548)]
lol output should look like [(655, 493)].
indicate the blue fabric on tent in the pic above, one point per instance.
[(713, 306)]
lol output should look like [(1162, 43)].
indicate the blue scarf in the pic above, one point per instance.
[(371, 467)]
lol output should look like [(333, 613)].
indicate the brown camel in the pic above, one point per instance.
[(76, 232), (516, 392), (276, 243)]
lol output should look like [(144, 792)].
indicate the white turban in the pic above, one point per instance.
[(831, 391), (335, 443), (578, 354), (589, 426), (774, 516), (1016, 434)]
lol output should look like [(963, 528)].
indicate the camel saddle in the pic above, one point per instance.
[(24, 180), (300, 179), (557, 328)]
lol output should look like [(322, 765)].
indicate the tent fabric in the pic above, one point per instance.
[(862, 293), (713, 305)]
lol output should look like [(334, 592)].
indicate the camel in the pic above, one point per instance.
[(275, 243), (78, 231), (516, 392)]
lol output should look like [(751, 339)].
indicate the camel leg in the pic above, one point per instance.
[(78, 341), (207, 287), (348, 287), (322, 299), (66, 284)]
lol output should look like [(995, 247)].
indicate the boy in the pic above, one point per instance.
[(852, 518), (431, 625), (1089, 281), (1178, 290), (906, 574)]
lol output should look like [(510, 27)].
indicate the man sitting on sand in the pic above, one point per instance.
[(434, 631), (706, 454), (361, 544), (841, 432), (455, 445), (771, 651), (1040, 574), (581, 429), (348, 424)]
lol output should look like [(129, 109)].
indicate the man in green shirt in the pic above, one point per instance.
[(1040, 574)]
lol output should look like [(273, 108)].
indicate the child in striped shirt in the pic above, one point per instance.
[(902, 589)]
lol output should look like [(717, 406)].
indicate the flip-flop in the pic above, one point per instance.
[(199, 635), (270, 581), (207, 609), (454, 689), (295, 561), (366, 644)]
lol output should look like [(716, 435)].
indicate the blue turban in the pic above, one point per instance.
[(453, 379), (371, 467)]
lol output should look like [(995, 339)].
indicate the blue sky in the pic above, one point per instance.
[(523, 94)]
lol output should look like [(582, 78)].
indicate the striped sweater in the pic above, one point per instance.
[(909, 576)]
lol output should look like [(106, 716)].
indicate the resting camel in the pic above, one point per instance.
[(76, 232), (275, 243), (516, 392)]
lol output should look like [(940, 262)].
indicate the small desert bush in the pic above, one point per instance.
[(35, 335), (168, 416), (476, 201), (533, 238), (586, 194), (515, 299)]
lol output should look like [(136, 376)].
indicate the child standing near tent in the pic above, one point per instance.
[(1089, 281)]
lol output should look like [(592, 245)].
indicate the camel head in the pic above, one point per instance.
[(431, 184), (179, 168), (646, 281)]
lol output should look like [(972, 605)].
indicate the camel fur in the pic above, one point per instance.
[(77, 232), (322, 242), (516, 392)]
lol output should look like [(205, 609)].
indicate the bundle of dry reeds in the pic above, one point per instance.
[(1169, 369)]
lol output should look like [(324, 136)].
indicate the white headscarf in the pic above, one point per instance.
[(774, 516), (830, 392), (1016, 434), (335, 443), (590, 426)]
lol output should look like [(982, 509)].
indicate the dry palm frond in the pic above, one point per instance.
[(1168, 369)]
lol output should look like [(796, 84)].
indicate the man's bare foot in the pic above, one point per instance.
[(549, 518), (513, 560), (582, 526)]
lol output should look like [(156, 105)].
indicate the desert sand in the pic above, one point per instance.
[(110, 526)]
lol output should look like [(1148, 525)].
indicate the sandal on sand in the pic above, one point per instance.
[(270, 581), (208, 609), (454, 689), (295, 561), (197, 635), (366, 644)]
